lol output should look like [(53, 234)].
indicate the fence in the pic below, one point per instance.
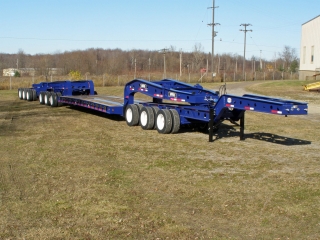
[(7, 83)]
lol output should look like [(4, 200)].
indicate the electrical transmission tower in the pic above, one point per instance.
[(245, 25), (213, 35)]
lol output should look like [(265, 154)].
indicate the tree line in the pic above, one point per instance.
[(98, 61)]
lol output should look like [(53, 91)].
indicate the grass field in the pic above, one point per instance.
[(67, 174)]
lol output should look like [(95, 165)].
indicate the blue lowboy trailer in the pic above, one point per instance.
[(171, 104)]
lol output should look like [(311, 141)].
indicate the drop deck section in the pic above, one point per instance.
[(171, 103)]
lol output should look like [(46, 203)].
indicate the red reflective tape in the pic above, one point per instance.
[(143, 89), (276, 112), (249, 108), (177, 99), (229, 105)]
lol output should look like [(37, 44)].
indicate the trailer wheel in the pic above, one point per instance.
[(155, 111), (175, 120), (132, 115), (53, 100), (147, 118), (47, 98), (24, 94), (41, 97), (20, 93), (29, 95), (34, 95), (164, 121), (59, 104), (140, 106)]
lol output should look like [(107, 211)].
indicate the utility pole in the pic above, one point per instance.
[(236, 63), (260, 60), (149, 67), (164, 51), (135, 68), (213, 35), (180, 62), (245, 25)]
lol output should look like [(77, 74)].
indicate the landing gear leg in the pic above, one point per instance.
[(211, 113), (242, 127)]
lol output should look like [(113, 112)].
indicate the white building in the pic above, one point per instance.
[(7, 72), (310, 50)]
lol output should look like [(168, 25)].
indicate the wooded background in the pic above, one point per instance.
[(116, 66)]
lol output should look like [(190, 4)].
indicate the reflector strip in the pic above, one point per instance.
[(158, 95), (229, 105), (177, 99), (143, 89), (276, 112), (249, 108)]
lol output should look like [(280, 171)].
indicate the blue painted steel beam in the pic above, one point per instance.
[(169, 90), (66, 88)]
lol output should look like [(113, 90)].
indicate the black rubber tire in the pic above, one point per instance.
[(132, 115), (140, 106), (164, 121), (155, 111), (175, 120), (20, 93), (41, 97), (47, 98), (146, 118), (21, 89), (24, 94), (34, 95), (29, 94), (59, 95), (53, 100)]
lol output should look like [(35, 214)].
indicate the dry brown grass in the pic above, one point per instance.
[(67, 174)]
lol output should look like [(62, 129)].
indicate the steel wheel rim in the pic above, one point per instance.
[(129, 115), (144, 118), (160, 121)]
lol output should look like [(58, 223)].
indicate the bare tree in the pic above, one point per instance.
[(21, 59), (288, 55), (198, 55)]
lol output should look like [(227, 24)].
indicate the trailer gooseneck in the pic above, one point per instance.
[(172, 103)]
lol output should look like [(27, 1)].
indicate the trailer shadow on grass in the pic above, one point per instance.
[(226, 131)]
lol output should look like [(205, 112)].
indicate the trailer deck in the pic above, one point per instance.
[(102, 103)]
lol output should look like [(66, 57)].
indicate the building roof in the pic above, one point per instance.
[(311, 20)]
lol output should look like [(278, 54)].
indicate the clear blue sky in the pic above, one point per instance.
[(50, 26)]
